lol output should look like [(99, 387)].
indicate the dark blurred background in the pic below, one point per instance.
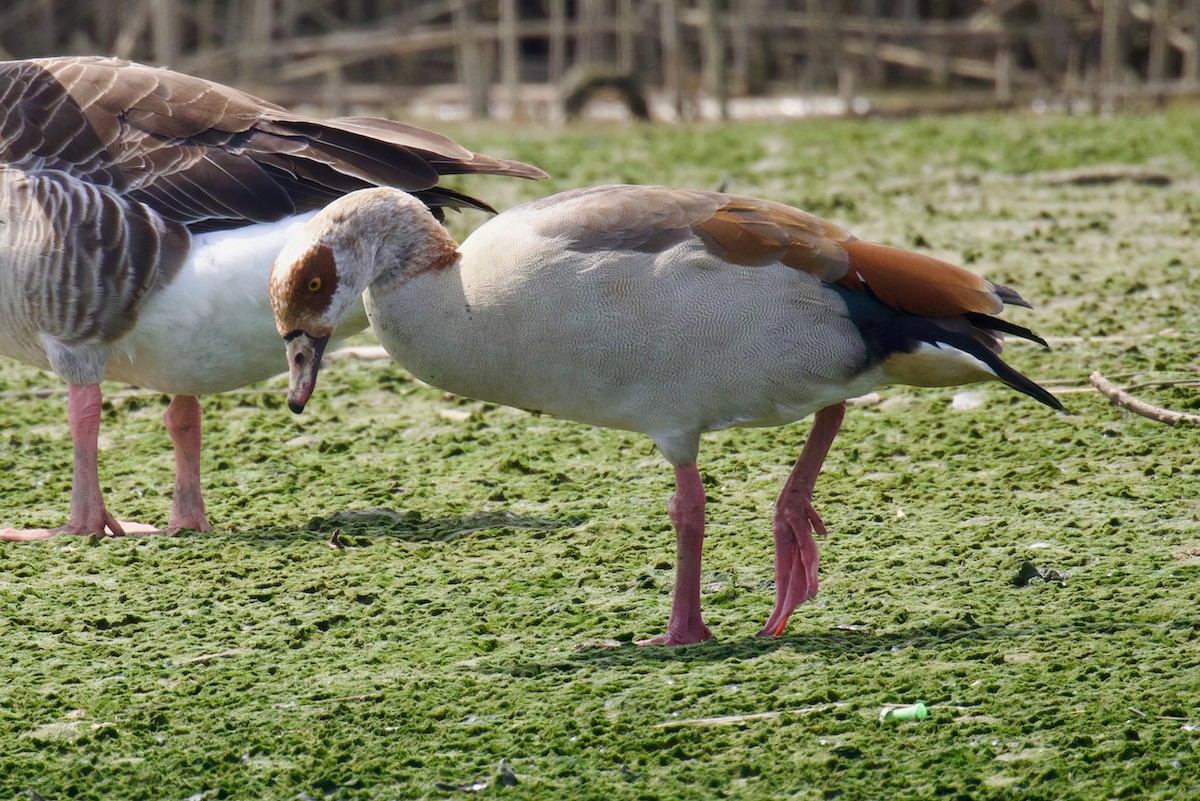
[(663, 59)]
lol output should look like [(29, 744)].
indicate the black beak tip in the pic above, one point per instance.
[(296, 407)]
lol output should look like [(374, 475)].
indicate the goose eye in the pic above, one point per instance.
[(314, 284)]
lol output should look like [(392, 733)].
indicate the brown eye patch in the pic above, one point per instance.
[(318, 279)]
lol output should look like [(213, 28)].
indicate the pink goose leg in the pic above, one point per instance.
[(88, 513), (686, 508), (182, 420), (796, 557)]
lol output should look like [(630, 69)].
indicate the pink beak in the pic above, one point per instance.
[(304, 361)]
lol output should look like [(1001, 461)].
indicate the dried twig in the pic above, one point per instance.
[(1127, 401), (731, 720), (319, 702), (33, 393), (1178, 382), (192, 660), (364, 353)]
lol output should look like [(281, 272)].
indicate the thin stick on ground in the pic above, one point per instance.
[(192, 660), (1127, 401), (733, 720)]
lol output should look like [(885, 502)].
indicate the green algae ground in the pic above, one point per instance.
[(391, 603)]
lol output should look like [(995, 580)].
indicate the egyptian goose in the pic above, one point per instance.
[(140, 211), (664, 311)]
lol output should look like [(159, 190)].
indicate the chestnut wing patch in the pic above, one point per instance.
[(750, 231), (916, 283)]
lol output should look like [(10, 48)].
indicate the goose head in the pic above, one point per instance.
[(319, 275)]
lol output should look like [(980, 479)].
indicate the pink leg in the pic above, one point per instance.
[(182, 419), (796, 557), (686, 508), (88, 513)]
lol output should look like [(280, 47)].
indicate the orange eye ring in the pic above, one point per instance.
[(314, 284)]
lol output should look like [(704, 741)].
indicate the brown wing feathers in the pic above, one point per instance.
[(916, 283), (211, 156), (750, 231), (444, 154)]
